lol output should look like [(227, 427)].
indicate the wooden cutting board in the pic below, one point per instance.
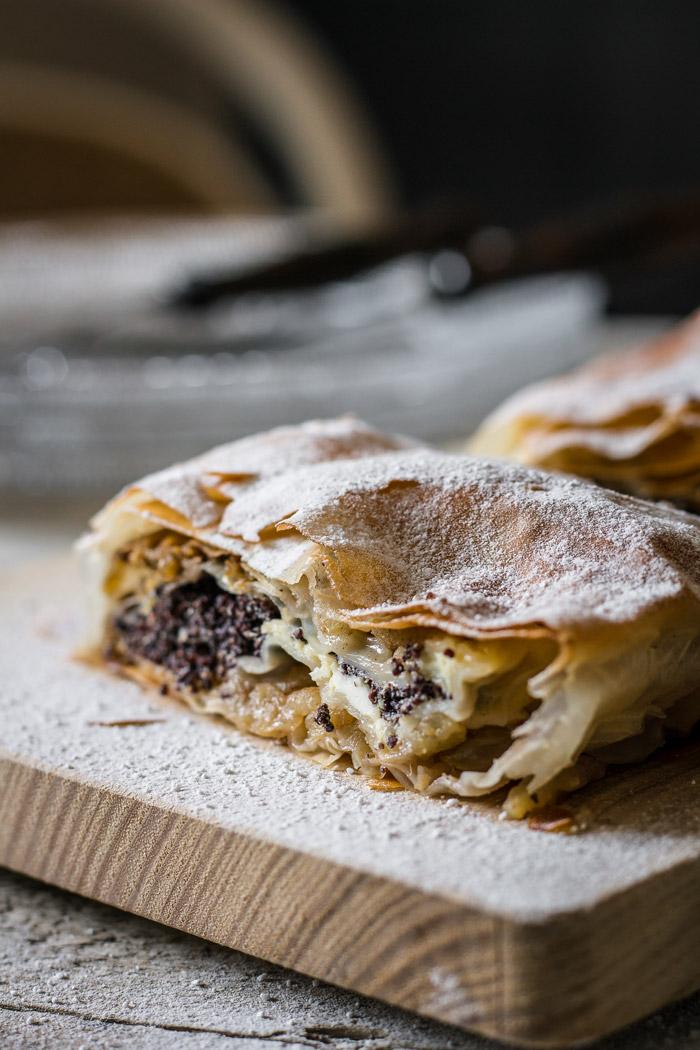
[(435, 905)]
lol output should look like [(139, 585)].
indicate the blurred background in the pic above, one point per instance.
[(221, 215)]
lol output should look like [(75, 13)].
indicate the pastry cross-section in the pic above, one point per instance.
[(449, 623)]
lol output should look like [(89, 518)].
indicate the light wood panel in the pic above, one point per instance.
[(537, 939)]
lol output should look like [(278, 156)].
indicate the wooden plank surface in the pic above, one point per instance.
[(74, 974), (433, 905)]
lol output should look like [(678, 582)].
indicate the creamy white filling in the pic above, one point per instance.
[(351, 692), (460, 667), (349, 665), (553, 704)]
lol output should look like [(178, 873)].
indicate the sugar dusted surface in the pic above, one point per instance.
[(50, 706), (79, 973), (490, 545), (74, 974), (664, 374), (482, 546), (262, 455)]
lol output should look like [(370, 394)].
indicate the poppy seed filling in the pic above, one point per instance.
[(197, 631), (393, 699)]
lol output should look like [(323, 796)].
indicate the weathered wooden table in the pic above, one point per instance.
[(77, 974)]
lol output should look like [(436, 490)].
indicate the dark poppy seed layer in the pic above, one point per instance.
[(406, 659), (323, 718), (397, 700), (394, 700), (197, 631)]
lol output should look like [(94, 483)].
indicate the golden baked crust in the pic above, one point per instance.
[(629, 420), (463, 623)]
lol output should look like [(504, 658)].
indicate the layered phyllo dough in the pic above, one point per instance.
[(448, 624), (629, 420)]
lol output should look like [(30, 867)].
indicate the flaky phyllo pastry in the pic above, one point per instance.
[(447, 623), (629, 420)]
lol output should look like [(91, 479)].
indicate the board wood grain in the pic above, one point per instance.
[(437, 906)]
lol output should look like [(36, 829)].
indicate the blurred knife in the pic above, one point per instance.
[(653, 232), (336, 259)]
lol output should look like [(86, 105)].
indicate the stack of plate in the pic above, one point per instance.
[(94, 394)]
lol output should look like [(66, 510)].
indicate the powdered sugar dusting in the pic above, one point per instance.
[(186, 487), (49, 706), (500, 545), (486, 546), (284, 448), (664, 374)]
